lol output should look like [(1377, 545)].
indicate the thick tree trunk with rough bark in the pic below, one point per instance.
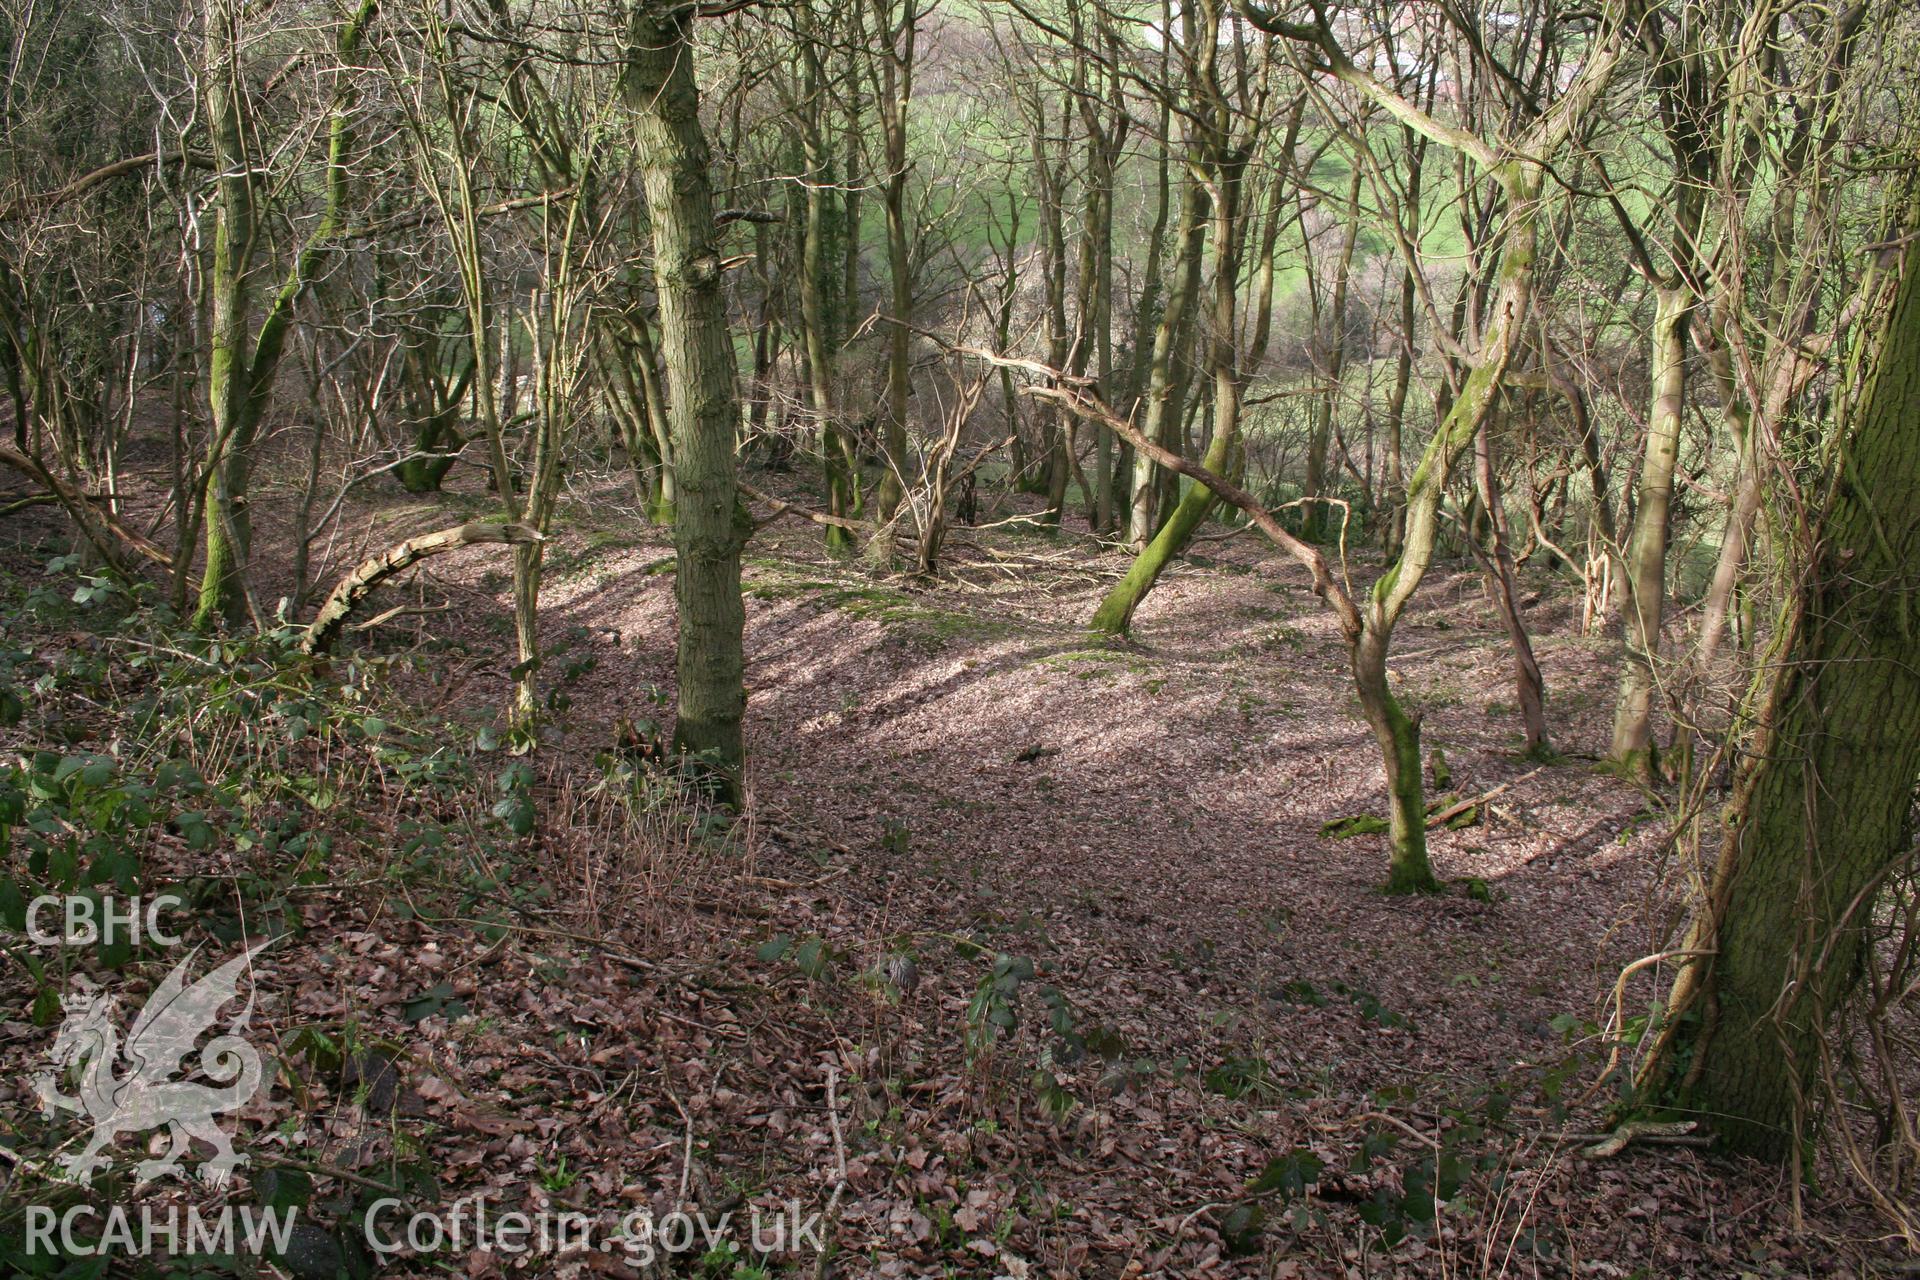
[(1821, 811), (675, 165)]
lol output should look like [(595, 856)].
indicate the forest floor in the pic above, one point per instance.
[(1030, 958)]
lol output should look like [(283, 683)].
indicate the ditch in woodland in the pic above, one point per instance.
[(1033, 955), (1070, 638)]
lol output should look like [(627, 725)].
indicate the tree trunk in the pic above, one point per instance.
[(228, 288), (1529, 686), (1166, 380), (1115, 613), (1741, 517), (661, 91), (817, 271), (1398, 736), (647, 359), (240, 377), (1394, 527), (1325, 405), (1646, 561), (1820, 812), (1392, 468), (1144, 350), (1224, 163), (895, 91)]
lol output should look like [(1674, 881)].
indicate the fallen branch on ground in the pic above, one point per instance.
[(109, 537), (1642, 1131), (782, 509), (363, 581), (1440, 817)]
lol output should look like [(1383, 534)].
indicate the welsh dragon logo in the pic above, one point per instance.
[(144, 1094)]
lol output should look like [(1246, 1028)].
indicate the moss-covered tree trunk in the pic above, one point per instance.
[(1398, 733), (1398, 736), (819, 277), (228, 289), (660, 89), (1166, 380), (647, 360), (241, 373), (899, 22), (1223, 160), (1820, 813)]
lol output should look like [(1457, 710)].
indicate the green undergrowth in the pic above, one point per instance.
[(251, 784), (138, 758)]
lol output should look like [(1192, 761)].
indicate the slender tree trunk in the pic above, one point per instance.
[(647, 359), (1734, 541), (228, 289), (1314, 527), (818, 336), (1646, 560), (660, 89), (241, 376), (1394, 527), (895, 92), (1166, 380), (1115, 613), (1106, 134), (1410, 870), (1392, 468), (1144, 351), (1529, 686)]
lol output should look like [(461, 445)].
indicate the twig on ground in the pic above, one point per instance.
[(1458, 807), (1640, 1131), (829, 1217)]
